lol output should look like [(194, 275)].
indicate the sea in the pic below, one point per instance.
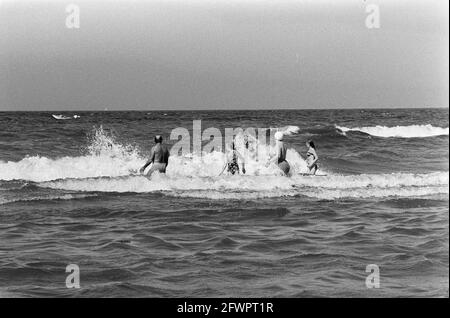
[(373, 222)]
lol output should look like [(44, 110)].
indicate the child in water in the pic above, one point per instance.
[(312, 157), (232, 164)]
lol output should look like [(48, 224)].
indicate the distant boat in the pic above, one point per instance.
[(61, 117)]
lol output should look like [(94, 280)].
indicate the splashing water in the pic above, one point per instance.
[(105, 157), (110, 166)]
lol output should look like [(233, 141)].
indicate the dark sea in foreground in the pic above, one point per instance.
[(70, 194)]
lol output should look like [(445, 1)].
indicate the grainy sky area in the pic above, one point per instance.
[(219, 54)]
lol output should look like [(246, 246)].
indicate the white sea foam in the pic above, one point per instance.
[(290, 130), (108, 158), (105, 158), (252, 187), (43, 169), (413, 131), (111, 167)]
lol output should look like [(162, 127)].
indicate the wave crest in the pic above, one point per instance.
[(106, 157), (110, 166), (252, 187), (413, 131)]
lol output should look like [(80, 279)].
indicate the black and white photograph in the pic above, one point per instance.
[(224, 149)]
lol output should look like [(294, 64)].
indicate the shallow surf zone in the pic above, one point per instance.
[(242, 187), (105, 157), (109, 166)]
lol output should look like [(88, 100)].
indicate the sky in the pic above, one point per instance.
[(223, 54)]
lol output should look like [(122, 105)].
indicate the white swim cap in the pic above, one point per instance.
[(279, 136)]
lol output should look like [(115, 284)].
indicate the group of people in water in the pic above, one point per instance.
[(159, 157)]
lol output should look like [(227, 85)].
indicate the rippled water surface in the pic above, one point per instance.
[(70, 194)]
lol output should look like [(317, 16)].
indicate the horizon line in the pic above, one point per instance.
[(219, 109)]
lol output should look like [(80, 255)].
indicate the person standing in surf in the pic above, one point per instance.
[(280, 157), (232, 164), (311, 157), (159, 156), (249, 147)]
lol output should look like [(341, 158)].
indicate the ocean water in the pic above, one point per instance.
[(70, 194)]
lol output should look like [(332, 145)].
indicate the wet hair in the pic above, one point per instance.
[(158, 139), (311, 144)]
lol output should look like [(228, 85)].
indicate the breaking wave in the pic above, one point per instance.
[(290, 130), (252, 187), (413, 131), (107, 158), (109, 166)]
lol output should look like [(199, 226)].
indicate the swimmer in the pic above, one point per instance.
[(159, 156), (249, 147), (280, 157), (232, 164), (312, 157)]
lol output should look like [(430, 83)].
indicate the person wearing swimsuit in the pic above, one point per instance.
[(312, 157), (159, 156), (232, 164), (249, 148), (280, 157)]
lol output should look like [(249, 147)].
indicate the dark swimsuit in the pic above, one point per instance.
[(233, 166), (315, 165)]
